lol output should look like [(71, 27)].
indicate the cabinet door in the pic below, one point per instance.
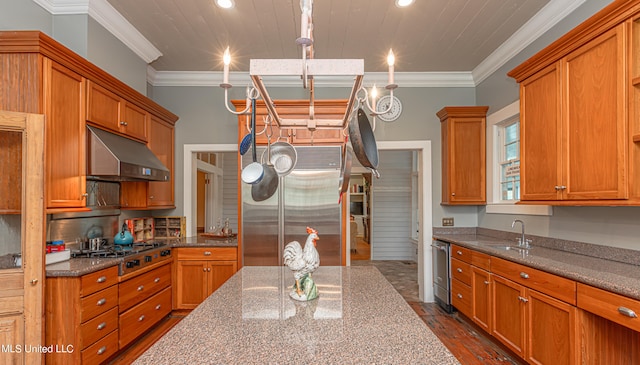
[(161, 143), (133, 121), (103, 107), (508, 319), (596, 119), (481, 298), (220, 272), (552, 330), (192, 285), (540, 136), (133, 194), (65, 136)]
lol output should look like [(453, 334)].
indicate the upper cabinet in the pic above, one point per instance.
[(463, 154), (577, 145), (42, 76), (161, 143), (294, 109), (110, 111)]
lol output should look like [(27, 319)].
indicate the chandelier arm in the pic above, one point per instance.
[(226, 104)]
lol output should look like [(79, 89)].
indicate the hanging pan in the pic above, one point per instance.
[(364, 142), (268, 185), (254, 171), (345, 172), (283, 158)]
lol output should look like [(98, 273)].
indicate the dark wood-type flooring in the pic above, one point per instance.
[(469, 344)]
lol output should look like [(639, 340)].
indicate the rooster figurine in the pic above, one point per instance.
[(303, 262)]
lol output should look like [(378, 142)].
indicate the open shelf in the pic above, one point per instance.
[(170, 227)]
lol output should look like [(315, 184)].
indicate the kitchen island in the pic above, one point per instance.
[(358, 318)]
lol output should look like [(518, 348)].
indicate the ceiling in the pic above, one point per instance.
[(428, 36)]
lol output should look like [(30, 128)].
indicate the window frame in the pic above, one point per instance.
[(495, 205)]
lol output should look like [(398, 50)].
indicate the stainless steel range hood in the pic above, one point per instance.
[(112, 157)]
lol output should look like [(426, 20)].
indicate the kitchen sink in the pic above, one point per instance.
[(521, 250)]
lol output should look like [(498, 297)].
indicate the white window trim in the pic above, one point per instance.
[(494, 204)]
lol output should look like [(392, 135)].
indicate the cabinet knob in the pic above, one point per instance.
[(141, 288), (151, 197), (486, 282), (522, 299), (156, 280), (459, 295), (158, 307), (33, 281), (101, 326), (101, 350), (101, 302), (524, 275), (141, 318), (459, 252), (560, 187), (101, 279), (453, 194), (124, 123), (207, 253), (459, 270)]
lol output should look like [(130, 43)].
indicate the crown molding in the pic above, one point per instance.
[(550, 15), (107, 16), (214, 78)]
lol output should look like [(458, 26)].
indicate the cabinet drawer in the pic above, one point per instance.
[(143, 316), (461, 270), (139, 288), (98, 303), (481, 260), (461, 296), (550, 284), (614, 307), (207, 253), (94, 329), (98, 280), (461, 253), (101, 350)]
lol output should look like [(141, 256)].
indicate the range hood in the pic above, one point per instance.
[(112, 157)]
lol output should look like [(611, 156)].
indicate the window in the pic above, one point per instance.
[(503, 164), (509, 137)]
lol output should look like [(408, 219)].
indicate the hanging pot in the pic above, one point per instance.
[(123, 237), (364, 142), (283, 158), (253, 172), (345, 172), (268, 185)]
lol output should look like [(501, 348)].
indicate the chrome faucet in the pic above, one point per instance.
[(523, 242)]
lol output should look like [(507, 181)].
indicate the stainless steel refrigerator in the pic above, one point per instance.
[(308, 196)]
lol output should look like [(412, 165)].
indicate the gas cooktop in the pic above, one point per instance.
[(135, 256)]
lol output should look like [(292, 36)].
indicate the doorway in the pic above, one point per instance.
[(423, 212)]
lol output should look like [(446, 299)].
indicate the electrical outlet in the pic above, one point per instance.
[(447, 221)]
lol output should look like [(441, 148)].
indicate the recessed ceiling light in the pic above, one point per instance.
[(403, 3), (226, 4)]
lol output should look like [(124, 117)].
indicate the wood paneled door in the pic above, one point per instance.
[(21, 283)]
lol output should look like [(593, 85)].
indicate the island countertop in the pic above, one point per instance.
[(358, 318)]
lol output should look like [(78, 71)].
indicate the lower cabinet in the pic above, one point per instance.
[(200, 271), (81, 317), (481, 298)]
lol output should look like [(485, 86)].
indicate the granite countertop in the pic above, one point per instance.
[(574, 263), (358, 318), (82, 266)]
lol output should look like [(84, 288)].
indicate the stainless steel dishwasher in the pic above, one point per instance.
[(442, 274)]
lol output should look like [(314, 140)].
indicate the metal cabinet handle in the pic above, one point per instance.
[(141, 318), (627, 312), (459, 252), (101, 279), (209, 269), (141, 288), (459, 295), (33, 281), (156, 280), (204, 269), (560, 187), (524, 275), (207, 253), (459, 269), (486, 282), (158, 307), (101, 326), (453, 194), (124, 123), (101, 350), (102, 301), (522, 299)]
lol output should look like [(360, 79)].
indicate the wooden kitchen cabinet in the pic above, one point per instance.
[(481, 298), (66, 137), (295, 109), (200, 271), (161, 143), (82, 312), (540, 328), (463, 154), (471, 294), (109, 110), (579, 107)]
